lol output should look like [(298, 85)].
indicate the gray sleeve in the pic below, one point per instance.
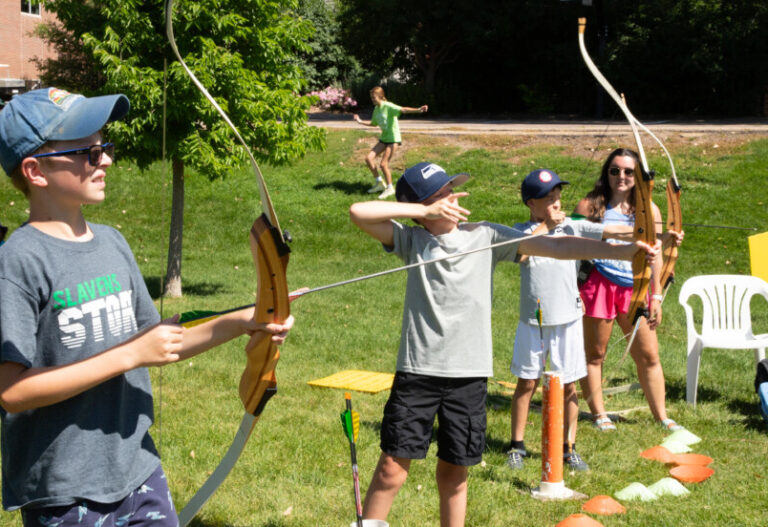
[(502, 233), (589, 229), (18, 324), (403, 240)]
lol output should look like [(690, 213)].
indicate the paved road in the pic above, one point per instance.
[(416, 125)]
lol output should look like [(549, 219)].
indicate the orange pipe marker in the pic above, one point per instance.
[(552, 429), (552, 484)]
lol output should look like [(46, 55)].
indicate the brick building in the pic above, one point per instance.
[(18, 18)]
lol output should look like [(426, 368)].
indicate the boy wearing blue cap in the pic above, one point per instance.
[(78, 330), (550, 315), (445, 354)]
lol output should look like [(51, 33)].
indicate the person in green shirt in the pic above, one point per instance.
[(385, 116)]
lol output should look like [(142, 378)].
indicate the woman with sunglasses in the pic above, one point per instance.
[(608, 290)]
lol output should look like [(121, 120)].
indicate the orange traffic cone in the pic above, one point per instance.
[(603, 504), (579, 520)]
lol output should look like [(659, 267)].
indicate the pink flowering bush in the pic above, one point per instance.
[(333, 98)]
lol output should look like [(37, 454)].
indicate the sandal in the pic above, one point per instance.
[(671, 425), (604, 423)]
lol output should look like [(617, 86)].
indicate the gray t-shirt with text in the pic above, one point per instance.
[(61, 302)]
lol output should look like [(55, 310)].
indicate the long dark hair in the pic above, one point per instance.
[(600, 195)]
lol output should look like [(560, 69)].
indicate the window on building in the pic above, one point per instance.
[(31, 7)]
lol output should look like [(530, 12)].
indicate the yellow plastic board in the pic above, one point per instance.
[(758, 255), (356, 380)]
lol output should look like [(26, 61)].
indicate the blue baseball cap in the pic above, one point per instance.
[(31, 119), (539, 183), (424, 179)]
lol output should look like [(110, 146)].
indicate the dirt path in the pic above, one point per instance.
[(581, 137)]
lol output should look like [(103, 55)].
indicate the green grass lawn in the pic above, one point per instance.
[(296, 469)]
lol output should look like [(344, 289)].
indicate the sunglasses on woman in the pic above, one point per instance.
[(94, 153), (615, 171)]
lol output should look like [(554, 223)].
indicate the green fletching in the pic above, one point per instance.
[(538, 312), (350, 422), (198, 317)]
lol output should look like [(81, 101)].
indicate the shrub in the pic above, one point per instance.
[(333, 98)]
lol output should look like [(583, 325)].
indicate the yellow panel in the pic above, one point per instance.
[(357, 380), (758, 255)]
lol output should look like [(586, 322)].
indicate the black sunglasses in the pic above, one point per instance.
[(94, 153), (615, 171)]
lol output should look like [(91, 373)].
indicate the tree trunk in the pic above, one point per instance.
[(173, 270)]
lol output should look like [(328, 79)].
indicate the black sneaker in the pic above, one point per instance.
[(573, 461), (515, 458)]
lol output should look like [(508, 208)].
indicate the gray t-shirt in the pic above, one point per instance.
[(447, 311), (61, 302), (553, 281)]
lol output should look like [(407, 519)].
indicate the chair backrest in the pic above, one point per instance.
[(725, 299)]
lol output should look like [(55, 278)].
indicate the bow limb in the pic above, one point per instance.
[(270, 253), (674, 217), (645, 228)]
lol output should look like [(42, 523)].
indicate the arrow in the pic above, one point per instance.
[(350, 422)]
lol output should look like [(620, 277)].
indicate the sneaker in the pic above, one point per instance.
[(389, 191), (573, 461), (671, 426), (378, 187), (515, 458)]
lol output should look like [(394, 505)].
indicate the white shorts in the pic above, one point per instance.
[(564, 344)]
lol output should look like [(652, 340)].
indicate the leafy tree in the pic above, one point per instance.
[(243, 51), (326, 63), (410, 37)]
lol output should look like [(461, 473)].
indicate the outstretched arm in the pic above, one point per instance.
[(23, 388), (575, 248), (420, 109), (358, 120)]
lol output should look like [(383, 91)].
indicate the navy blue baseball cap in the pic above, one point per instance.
[(539, 183), (31, 119), (424, 179)]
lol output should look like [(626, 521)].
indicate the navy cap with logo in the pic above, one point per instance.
[(424, 179), (539, 183), (31, 119)]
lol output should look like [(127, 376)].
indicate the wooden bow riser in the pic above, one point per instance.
[(270, 254), (645, 230)]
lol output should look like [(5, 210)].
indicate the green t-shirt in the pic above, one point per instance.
[(385, 117)]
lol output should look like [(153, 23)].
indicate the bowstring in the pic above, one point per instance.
[(164, 180)]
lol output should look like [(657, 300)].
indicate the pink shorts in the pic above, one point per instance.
[(604, 299)]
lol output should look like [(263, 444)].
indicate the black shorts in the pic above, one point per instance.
[(390, 142), (409, 416)]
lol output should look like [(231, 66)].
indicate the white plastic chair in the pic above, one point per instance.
[(726, 321)]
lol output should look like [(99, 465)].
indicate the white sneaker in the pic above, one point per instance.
[(378, 187), (389, 191)]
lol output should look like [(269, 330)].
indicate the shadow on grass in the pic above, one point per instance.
[(198, 289), (750, 410), (347, 187)]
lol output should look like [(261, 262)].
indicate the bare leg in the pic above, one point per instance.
[(391, 472), (370, 158), (452, 486), (571, 408), (645, 352), (389, 151), (521, 401), (597, 333)]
